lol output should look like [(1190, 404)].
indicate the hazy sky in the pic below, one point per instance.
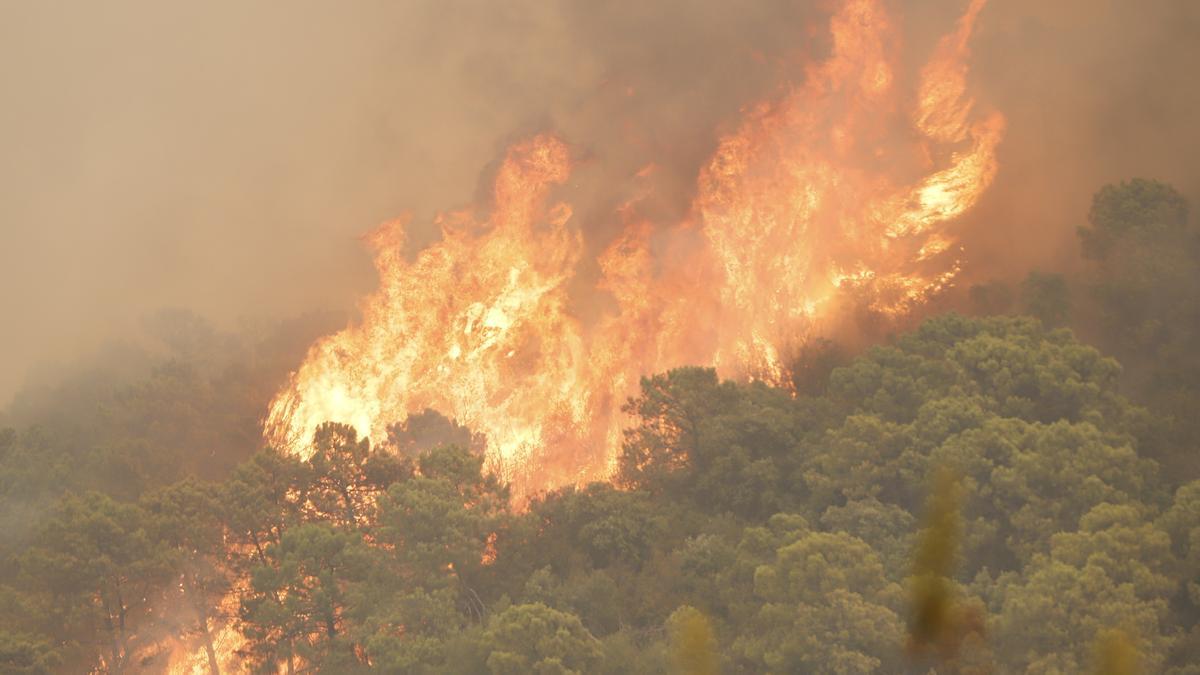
[(225, 156)]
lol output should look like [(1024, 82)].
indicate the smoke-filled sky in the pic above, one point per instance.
[(225, 156)]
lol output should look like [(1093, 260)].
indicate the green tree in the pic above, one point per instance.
[(598, 525), (1026, 416), (186, 517), (1112, 572), (437, 528), (98, 569), (824, 604), (722, 446), (1181, 521), (442, 518), (428, 430), (814, 362), (297, 603), (673, 410), (990, 298), (537, 639), (1136, 210), (1144, 252), (260, 500), (886, 526), (1046, 298), (348, 475), (23, 654), (419, 630)]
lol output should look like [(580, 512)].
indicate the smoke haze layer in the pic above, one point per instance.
[(226, 158)]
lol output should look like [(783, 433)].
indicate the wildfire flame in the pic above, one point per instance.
[(842, 186), (226, 641)]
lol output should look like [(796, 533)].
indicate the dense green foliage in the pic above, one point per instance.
[(1138, 299), (977, 495)]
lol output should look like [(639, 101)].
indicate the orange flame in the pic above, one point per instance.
[(477, 326), (838, 186), (189, 659)]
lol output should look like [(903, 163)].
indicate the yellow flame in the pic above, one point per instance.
[(814, 195)]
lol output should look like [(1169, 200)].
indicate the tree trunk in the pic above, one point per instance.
[(262, 556), (111, 626), (214, 667), (115, 666), (345, 490), (119, 661)]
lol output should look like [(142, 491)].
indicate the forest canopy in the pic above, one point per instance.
[(1010, 488)]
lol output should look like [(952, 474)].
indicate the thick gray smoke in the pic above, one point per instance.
[(224, 156)]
